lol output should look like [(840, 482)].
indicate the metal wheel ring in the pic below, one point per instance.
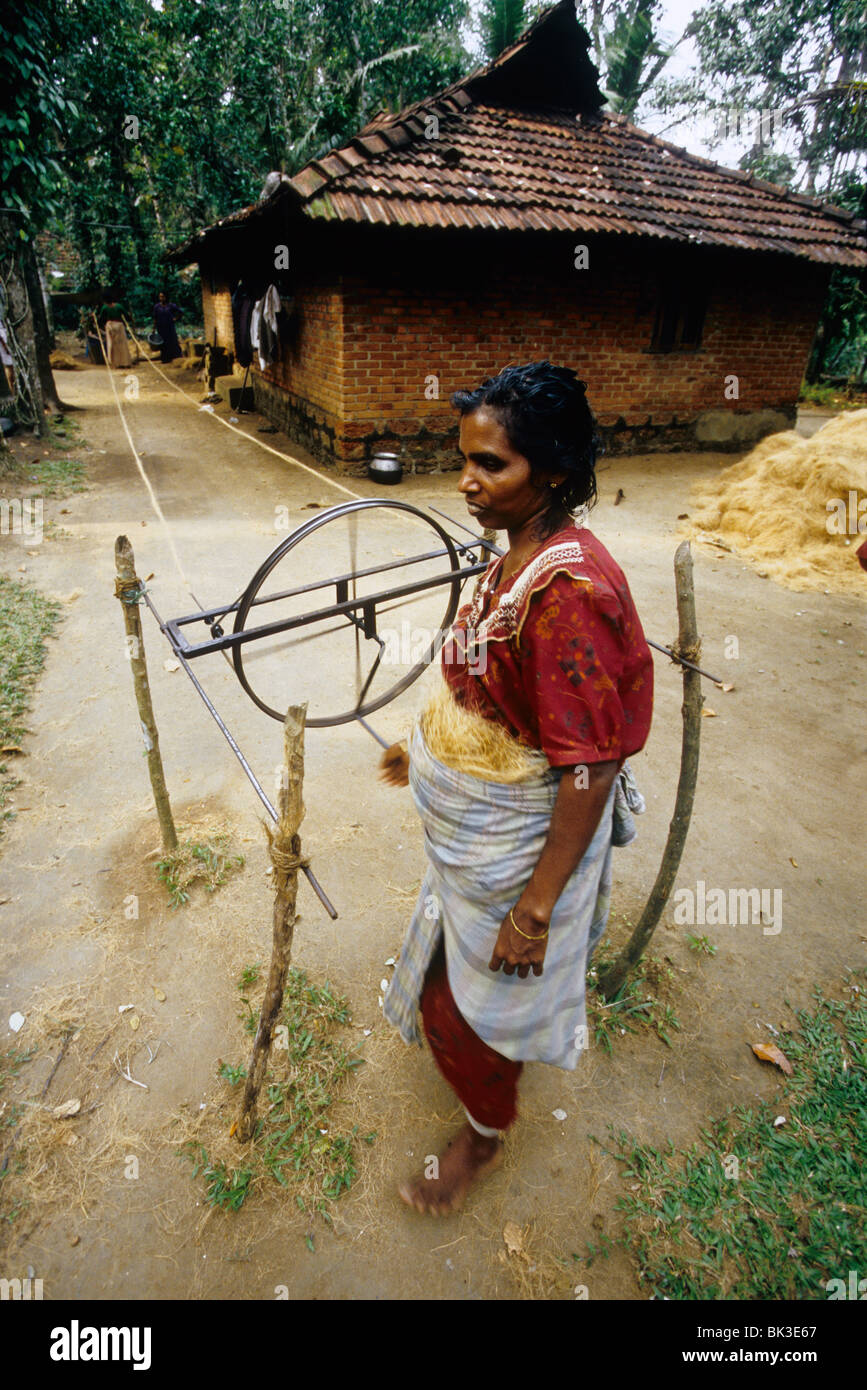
[(301, 533)]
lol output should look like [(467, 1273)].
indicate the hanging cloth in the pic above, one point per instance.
[(256, 331), (242, 310), (269, 335)]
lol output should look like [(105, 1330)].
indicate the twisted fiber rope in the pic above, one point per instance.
[(286, 862), (689, 652), (128, 590)]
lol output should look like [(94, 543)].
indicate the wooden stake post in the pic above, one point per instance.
[(689, 647), (285, 849), (128, 588)]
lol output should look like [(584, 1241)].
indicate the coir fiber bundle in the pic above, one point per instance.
[(777, 507), (469, 743)]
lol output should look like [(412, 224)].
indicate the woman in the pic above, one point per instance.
[(553, 676), (116, 346), (165, 317)]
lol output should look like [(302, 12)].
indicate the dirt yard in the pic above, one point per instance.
[(779, 807)]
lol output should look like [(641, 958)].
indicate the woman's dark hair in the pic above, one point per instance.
[(544, 411)]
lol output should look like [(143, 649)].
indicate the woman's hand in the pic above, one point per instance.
[(573, 824), (513, 951), (394, 766)]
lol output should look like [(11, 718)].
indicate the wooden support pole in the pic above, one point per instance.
[(688, 646), (489, 535), (285, 849), (128, 588)]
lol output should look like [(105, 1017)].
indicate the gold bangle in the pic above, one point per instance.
[(523, 933)]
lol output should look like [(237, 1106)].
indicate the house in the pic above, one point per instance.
[(509, 219)]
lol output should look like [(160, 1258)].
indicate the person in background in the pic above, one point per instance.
[(111, 322), (166, 316)]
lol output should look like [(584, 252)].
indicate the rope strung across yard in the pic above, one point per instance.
[(287, 458), (154, 500), (674, 653), (130, 590), (151, 492), (251, 439)]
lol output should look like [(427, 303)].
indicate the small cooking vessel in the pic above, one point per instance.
[(385, 467)]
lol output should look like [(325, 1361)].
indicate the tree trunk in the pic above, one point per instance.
[(816, 363), (128, 589), (28, 388), (285, 847), (688, 646), (41, 331), (155, 200)]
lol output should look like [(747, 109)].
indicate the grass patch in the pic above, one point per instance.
[(755, 1210), (197, 861), (295, 1144), (249, 975), (700, 944), (11, 1062), (223, 1188), (44, 477), (27, 619), (59, 477), (64, 430), (11, 1164), (837, 397), (639, 1004)]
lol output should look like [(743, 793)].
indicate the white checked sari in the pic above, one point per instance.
[(483, 840)]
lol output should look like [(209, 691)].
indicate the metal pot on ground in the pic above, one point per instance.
[(385, 467)]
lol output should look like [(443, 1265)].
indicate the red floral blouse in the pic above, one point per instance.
[(557, 656)]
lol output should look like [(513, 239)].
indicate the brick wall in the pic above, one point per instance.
[(217, 311), (376, 353), (309, 372), (311, 365), (406, 348), (56, 253)]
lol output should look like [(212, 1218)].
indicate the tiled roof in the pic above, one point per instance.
[(502, 150), (550, 171)]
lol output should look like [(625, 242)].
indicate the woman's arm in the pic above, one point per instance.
[(573, 824)]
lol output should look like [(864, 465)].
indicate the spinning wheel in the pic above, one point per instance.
[(344, 600), (394, 611)]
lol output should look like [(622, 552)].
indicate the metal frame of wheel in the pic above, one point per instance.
[(301, 533)]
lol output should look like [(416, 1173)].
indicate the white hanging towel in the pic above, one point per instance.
[(256, 330)]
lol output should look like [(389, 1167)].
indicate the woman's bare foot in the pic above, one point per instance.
[(442, 1187)]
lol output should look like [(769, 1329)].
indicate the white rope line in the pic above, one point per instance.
[(287, 458), (145, 479)]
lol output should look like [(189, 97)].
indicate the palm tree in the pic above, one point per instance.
[(501, 23)]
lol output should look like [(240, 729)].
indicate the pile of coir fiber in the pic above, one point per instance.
[(467, 742), (62, 362), (779, 506)]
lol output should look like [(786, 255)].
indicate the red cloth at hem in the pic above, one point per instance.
[(485, 1082)]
